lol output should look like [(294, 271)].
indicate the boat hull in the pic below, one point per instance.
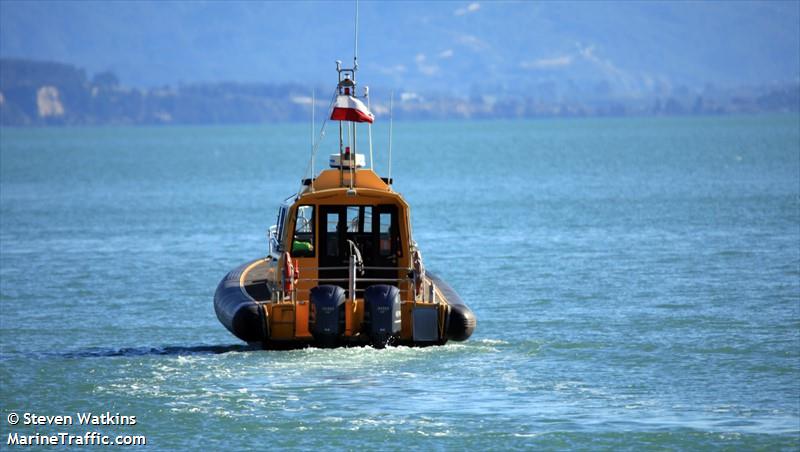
[(240, 312), (241, 298), (461, 321)]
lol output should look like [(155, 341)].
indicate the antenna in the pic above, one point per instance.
[(313, 104), (391, 123), (322, 132), (369, 129), (355, 46)]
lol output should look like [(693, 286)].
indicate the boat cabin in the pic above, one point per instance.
[(328, 223)]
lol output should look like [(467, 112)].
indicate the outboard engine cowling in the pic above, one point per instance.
[(327, 303), (382, 305)]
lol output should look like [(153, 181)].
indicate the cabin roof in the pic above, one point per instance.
[(365, 178), (367, 183)]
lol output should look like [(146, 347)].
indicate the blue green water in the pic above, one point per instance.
[(636, 283)]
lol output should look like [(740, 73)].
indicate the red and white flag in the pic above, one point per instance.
[(348, 108)]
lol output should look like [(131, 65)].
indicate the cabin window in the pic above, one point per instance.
[(374, 229), (303, 241), (332, 234), (366, 220), (385, 232), (359, 219), (353, 219), (359, 228)]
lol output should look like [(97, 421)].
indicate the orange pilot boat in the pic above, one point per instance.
[(343, 268)]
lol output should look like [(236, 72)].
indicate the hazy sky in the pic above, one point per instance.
[(441, 45)]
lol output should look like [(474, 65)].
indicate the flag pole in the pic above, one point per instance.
[(391, 123)]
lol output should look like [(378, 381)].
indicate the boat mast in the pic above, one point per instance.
[(347, 87), (354, 152)]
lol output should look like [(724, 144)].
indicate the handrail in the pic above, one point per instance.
[(408, 279), (360, 279), (365, 268), (362, 290)]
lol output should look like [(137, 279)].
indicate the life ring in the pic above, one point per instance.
[(290, 273)]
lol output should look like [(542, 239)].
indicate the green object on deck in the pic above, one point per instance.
[(302, 247)]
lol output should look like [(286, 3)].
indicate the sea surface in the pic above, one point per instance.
[(636, 283)]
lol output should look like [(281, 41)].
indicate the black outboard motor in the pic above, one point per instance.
[(327, 304), (382, 308)]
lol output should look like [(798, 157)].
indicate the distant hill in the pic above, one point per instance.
[(50, 93), (45, 93), (564, 50)]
